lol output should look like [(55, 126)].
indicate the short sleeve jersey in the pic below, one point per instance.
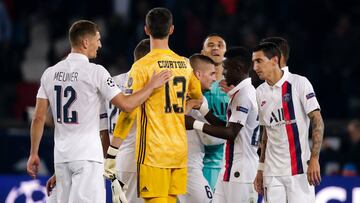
[(283, 110), (161, 135), (240, 157), (75, 89)]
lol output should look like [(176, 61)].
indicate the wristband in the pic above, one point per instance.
[(112, 151), (198, 125), (261, 166)]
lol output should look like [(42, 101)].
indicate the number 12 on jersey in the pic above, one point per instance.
[(178, 108), (68, 92)]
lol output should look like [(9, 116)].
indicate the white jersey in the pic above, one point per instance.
[(197, 140), (283, 110), (75, 88), (125, 158), (240, 157)]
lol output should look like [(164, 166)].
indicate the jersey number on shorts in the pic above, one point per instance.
[(179, 95), (209, 193), (70, 93)]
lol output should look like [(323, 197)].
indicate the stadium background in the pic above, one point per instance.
[(324, 36)]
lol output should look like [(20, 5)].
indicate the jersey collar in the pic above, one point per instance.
[(283, 79), (165, 51), (78, 56), (285, 68), (242, 84)]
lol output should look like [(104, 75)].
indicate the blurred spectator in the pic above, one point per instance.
[(350, 150)]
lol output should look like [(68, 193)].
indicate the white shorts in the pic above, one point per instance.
[(197, 188), (130, 179), (292, 189), (80, 181), (229, 192)]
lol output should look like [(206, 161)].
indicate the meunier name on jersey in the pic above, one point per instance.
[(66, 77), (171, 64)]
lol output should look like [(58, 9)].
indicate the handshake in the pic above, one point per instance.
[(118, 188)]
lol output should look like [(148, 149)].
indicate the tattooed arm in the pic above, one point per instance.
[(258, 182), (317, 126)]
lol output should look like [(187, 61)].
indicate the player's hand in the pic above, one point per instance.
[(118, 190), (50, 184), (159, 79), (313, 172), (224, 87), (258, 183), (189, 122), (193, 104), (32, 166), (110, 163)]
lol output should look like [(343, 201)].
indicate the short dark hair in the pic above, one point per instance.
[(240, 58), (158, 21), (270, 50), (81, 28), (282, 44), (213, 35), (142, 49), (199, 57)]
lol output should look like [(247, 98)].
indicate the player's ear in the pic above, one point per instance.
[(197, 74), (171, 29), (275, 60), (146, 31), (85, 42)]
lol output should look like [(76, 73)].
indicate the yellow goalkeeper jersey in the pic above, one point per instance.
[(161, 136)]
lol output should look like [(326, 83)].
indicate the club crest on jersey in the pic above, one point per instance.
[(130, 81), (287, 97), (110, 82)]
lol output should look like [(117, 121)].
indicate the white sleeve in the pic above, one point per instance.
[(258, 100), (106, 84), (209, 140), (307, 96), (103, 116), (240, 107), (41, 92)]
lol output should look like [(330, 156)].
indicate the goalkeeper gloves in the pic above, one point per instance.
[(110, 163), (118, 189)]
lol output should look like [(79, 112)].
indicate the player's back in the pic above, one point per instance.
[(161, 134), (72, 87)]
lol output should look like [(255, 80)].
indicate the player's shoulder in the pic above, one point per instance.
[(145, 61), (297, 79), (121, 78), (262, 87)]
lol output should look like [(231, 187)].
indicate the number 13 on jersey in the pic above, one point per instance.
[(179, 84)]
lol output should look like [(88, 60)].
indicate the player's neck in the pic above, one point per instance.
[(159, 43), (240, 79), (275, 77), (79, 51), (219, 72)]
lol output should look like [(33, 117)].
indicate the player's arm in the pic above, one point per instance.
[(128, 103), (36, 132), (105, 140), (312, 108), (224, 132), (124, 123), (208, 115), (258, 182), (317, 125)]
